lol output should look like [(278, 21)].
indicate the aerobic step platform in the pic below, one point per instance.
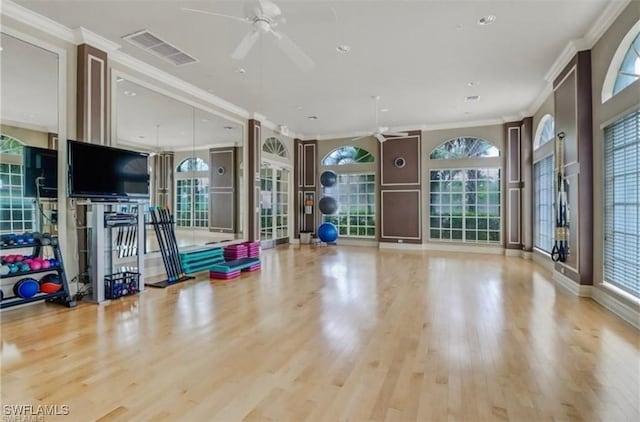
[(231, 269), (201, 259)]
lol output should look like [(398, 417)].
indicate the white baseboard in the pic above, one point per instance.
[(543, 260), (452, 247), (401, 246), (528, 255), (570, 285), (294, 241), (626, 311), (357, 242)]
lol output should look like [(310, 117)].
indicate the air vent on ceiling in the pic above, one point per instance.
[(151, 43), (472, 98)]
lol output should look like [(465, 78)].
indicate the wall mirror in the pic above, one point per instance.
[(29, 140), (196, 161)]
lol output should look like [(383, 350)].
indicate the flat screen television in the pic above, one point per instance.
[(40, 170), (101, 172)]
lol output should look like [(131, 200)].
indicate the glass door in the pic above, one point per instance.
[(274, 208)]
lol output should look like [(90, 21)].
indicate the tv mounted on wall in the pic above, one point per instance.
[(40, 172), (101, 172)]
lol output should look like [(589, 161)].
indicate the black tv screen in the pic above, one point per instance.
[(40, 166), (100, 172)]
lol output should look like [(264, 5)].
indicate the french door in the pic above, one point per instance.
[(274, 204)]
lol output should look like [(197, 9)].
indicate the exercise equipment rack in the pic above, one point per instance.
[(162, 222), (62, 296)]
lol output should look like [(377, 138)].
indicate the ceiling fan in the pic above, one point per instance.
[(263, 16), (380, 132)]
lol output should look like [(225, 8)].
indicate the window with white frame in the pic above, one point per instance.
[(543, 184), (629, 68), (464, 205), (543, 203), (622, 204), (356, 216), (192, 193), (16, 212)]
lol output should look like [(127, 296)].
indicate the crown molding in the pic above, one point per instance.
[(540, 99), (40, 22), (604, 21), (84, 36), (29, 126), (561, 61)]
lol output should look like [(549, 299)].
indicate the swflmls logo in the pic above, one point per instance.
[(38, 410)]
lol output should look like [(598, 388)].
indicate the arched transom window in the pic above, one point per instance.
[(192, 164), (545, 131), (275, 146), (464, 147), (347, 155)]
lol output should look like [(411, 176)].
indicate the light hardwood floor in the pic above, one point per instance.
[(336, 333)]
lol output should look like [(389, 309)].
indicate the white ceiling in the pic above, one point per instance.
[(156, 122), (418, 55), (29, 85)]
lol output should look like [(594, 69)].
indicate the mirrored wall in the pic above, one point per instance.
[(196, 162), (28, 137)]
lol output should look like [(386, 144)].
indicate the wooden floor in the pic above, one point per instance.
[(336, 333)]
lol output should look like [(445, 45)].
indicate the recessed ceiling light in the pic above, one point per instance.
[(312, 117), (241, 70), (1, 48), (343, 48), (384, 110), (119, 79), (487, 20), (471, 98), (473, 83), (228, 127), (130, 93)]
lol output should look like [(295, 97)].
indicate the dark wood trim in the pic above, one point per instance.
[(297, 206), (253, 175), (567, 69), (526, 164), (512, 185), (92, 96)]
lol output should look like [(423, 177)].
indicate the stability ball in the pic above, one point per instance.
[(328, 232), (328, 178), (328, 205)]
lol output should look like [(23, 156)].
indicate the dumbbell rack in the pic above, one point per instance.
[(62, 296)]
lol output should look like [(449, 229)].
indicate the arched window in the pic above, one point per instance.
[(625, 65), (545, 131), (275, 146), (347, 155), (464, 147), (10, 145), (192, 164)]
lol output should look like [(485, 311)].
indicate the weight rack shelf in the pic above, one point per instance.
[(62, 296)]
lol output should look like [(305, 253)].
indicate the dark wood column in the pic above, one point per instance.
[(92, 116), (306, 188), (223, 198), (400, 189), (526, 164), (253, 174), (92, 96), (573, 116), (513, 186)]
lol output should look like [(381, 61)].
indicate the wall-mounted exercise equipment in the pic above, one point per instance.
[(560, 249), (328, 232)]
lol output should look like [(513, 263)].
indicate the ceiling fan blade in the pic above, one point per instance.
[(206, 12), (380, 137), (396, 134), (269, 8), (294, 52), (245, 45)]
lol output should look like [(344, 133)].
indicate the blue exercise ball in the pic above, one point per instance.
[(328, 232), (328, 178), (328, 205)]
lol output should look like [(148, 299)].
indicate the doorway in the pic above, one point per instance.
[(274, 204)]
